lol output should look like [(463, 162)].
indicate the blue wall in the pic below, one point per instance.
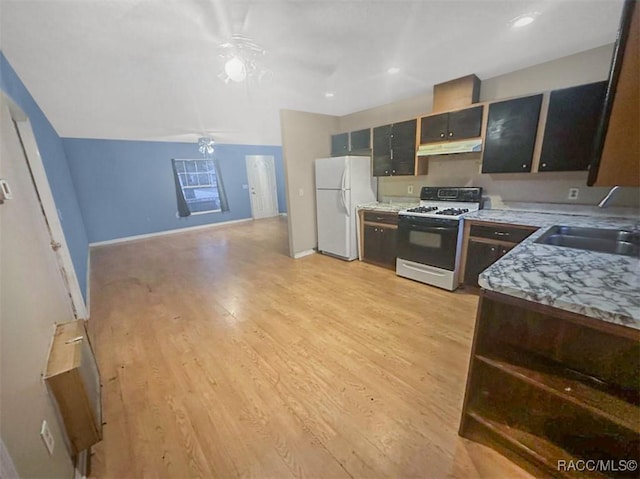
[(56, 167), (126, 188)]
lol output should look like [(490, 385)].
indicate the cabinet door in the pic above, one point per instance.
[(403, 144), (572, 121), (465, 123), (360, 141), (434, 128), (371, 244), (388, 247), (617, 157), (480, 256), (340, 144), (511, 135), (382, 151)]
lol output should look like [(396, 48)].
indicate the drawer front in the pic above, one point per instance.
[(380, 217), (511, 234)]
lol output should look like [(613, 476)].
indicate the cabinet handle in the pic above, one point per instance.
[(375, 229), (386, 172), (393, 171), (500, 233), (441, 135), (493, 248), (544, 165), (524, 166), (450, 133)]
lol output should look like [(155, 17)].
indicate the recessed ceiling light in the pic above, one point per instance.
[(393, 70), (523, 20), (329, 94)]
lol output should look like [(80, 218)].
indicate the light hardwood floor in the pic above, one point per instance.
[(222, 357)]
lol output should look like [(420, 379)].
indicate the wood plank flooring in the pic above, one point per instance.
[(222, 357)]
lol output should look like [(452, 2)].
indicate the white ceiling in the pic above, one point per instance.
[(148, 69)]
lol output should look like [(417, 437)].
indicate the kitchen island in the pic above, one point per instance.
[(554, 375), (598, 285)]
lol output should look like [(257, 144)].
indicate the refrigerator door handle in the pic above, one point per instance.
[(342, 195)]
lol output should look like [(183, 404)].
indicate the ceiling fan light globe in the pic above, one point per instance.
[(235, 69)]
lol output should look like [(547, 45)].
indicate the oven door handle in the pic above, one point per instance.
[(418, 227)]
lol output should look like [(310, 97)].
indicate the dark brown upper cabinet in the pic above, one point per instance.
[(455, 125), (394, 149), (353, 143), (360, 142), (572, 121), (510, 138), (616, 156), (340, 144)]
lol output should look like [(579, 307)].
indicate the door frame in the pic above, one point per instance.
[(270, 160), (49, 209)]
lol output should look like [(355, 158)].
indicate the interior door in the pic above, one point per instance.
[(54, 227), (33, 296), (261, 174)]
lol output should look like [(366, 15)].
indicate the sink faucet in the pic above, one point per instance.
[(606, 199)]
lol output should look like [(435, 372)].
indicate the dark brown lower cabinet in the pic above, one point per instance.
[(485, 243), (551, 390), (379, 245), (481, 255)]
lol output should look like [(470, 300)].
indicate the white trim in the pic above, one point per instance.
[(283, 214), (80, 471), (41, 184), (304, 253), (7, 469), (195, 213), (167, 232), (88, 283)]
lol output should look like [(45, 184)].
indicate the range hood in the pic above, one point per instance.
[(450, 147)]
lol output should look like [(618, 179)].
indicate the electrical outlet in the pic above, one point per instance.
[(47, 437), (410, 189), (573, 193)]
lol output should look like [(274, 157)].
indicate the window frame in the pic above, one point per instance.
[(210, 172)]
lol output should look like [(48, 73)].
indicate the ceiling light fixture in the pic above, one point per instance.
[(393, 70), (523, 20), (205, 146), (242, 59)]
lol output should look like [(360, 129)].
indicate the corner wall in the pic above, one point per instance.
[(126, 188), (305, 137)]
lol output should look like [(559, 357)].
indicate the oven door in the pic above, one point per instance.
[(428, 241)]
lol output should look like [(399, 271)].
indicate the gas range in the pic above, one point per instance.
[(449, 202), (429, 236)]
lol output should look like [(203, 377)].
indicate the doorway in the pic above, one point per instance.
[(263, 192)]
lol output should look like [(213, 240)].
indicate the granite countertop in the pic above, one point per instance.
[(599, 285), (387, 207)]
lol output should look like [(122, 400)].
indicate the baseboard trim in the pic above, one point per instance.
[(283, 214), (80, 471), (167, 232), (302, 254)]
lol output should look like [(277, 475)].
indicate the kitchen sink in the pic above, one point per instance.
[(621, 242)]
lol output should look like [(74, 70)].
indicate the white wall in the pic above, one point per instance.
[(305, 137)]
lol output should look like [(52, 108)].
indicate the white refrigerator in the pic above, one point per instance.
[(342, 183)]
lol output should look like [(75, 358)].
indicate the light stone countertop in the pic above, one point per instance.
[(599, 285), (386, 207)]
